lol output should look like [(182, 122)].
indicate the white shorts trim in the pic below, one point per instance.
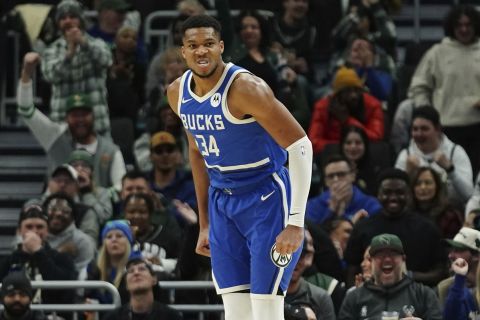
[(229, 289)]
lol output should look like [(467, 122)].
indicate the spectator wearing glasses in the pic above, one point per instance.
[(167, 179), (342, 198), (36, 258), (64, 236), (65, 179)]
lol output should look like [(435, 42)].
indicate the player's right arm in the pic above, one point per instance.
[(200, 176)]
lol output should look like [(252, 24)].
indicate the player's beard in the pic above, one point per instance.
[(16, 309)]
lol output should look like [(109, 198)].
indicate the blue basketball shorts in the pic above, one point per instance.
[(243, 229)]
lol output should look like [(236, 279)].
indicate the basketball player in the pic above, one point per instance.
[(251, 208)]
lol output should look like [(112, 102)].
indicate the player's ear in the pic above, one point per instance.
[(222, 46)]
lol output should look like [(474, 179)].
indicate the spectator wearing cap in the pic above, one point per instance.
[(75, 63), (36, 258), (349, 104), (168, 180), (163, 118), (430, 147), (141, 282), (391, 289), (16, 297), (466, 246), (420, 237), (90, 194), (60, 139), (117, 241), (64, 179), (64, 236)]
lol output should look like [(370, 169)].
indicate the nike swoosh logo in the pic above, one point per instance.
[(265, 197), (293, 214), (186, 100)]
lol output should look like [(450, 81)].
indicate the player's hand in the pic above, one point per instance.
[(289, 240), (203, 247), (460, 266)]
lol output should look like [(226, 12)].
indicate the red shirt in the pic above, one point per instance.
[(325, 129)]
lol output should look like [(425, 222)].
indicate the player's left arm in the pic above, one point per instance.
[(249, 95)]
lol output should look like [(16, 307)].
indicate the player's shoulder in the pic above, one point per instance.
[(174, 86), (173, 93), (247, 84)]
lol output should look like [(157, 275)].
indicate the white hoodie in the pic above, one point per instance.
[(459, 181), (448, 78)]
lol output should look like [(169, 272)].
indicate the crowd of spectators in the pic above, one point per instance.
[(387, 194)]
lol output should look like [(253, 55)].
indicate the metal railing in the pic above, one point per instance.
[(171, 286), (76, 284)]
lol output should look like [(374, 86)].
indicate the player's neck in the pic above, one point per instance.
[(202, 86)]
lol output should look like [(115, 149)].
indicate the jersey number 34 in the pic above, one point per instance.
[(209, 147)]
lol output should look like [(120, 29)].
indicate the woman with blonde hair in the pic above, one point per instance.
[(117, 241)]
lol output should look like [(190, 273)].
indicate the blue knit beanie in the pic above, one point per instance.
[(121, 225)]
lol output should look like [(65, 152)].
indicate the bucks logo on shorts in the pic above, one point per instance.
[(280, 260)]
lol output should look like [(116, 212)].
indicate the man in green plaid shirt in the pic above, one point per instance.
[(77, 63)]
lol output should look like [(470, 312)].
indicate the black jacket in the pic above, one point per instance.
[(159, 312), (45, 264), (369, 300)]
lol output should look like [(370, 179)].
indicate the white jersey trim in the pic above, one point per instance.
[(239, 166), (283, 191), (180, 93), (229, 289), (207, 96), (226, 111)]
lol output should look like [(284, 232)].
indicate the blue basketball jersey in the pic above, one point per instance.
[(237, 152)]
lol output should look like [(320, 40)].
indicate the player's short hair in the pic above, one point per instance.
[(202, 21)]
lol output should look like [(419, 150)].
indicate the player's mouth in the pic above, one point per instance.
[(203, 63)]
